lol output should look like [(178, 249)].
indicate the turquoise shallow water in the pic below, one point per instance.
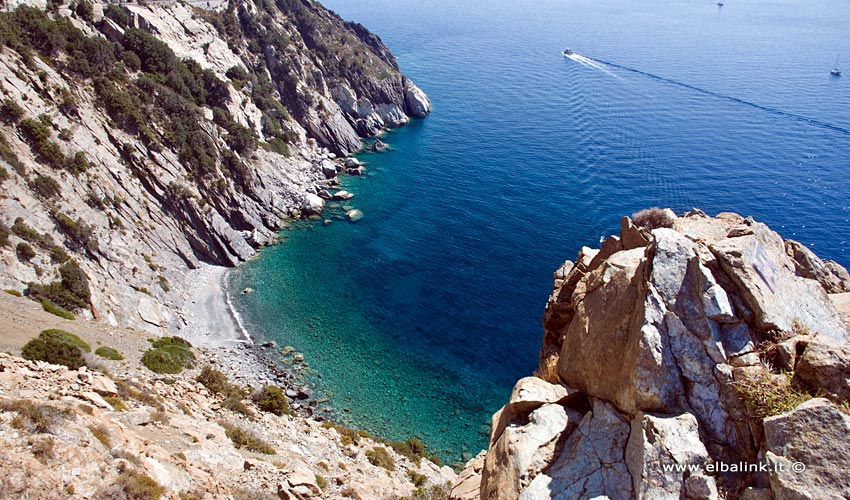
[(420, 317)]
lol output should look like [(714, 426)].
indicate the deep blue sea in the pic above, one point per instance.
[(418, 319)]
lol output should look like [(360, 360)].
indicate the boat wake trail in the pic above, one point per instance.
[(590, 63), (600, 64)]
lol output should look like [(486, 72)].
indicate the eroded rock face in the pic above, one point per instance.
[(591, 464), (656, 330)]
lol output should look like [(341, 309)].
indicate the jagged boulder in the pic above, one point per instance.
[(416, 103), (671, 335)]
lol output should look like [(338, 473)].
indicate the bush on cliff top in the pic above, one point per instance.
[(57, 347), (169, 355), (652, 218)]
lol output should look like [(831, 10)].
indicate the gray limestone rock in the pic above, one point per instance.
[(659, 441), (592, 463)]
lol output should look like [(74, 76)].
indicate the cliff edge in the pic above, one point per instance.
[(689, 357)]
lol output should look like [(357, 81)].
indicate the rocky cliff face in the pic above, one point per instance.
[(681, 346), (140, 140)]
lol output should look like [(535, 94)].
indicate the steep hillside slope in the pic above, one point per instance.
[(138, 141)]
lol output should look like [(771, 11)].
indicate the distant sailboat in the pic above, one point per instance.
[(835, 71)]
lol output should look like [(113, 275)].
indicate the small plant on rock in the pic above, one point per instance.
[(25, 251), (767, 394), (40, 418)]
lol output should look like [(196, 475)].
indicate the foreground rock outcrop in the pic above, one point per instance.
[(681, 349)]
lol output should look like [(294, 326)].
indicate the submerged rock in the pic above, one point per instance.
[(353, 215)]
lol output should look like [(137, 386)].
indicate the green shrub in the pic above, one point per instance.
[(10, 156), (321, 482), (4, 174), (108, 353), (380, 457), (10, 111), (75, 281), (169, 355), (131, 60), (78, 230), (59, 255), (412, 449), (276, 145), (14, 293), (271, 399), (65, 337), (56, 347), (78, 164), (25, 251), (237, 73), (85, 10), (217, 383), (5, 232), (45, 186), (439, 492), (117, 14), (56, 310), (234, 403), (417, 479), (347, 435), (244, 439), (72, 292), (25, 232)]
